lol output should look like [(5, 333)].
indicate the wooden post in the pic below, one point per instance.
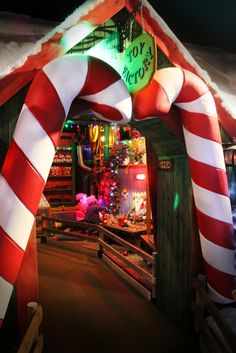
[(154, 275), (33, 339), (44, 232), (148, 204), (100, 236), (31, 309)]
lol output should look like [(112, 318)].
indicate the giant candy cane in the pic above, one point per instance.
[(207, 167), (31, 152)]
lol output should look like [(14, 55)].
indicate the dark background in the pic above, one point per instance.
[(205, 22)]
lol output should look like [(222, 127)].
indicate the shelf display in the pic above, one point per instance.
[(60, 187)]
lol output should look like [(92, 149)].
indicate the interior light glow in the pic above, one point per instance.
[(76, 34), (140, 176), (176, 201)]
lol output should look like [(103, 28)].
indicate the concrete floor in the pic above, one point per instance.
[(89, 309)]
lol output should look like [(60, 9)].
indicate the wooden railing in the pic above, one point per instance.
[(33, 340), (224, 340), (145, 281), (142, 278)]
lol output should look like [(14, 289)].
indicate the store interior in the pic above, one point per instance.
[(106, 160)]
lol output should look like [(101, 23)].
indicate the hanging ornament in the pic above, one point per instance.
[(81, 159), (111, 136), (93, 132)]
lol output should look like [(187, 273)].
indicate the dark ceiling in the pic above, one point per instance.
[(204, 22)]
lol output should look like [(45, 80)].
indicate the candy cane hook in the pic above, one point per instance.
[(209, 180), (31, 152)]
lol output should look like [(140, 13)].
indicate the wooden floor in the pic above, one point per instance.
[(89, 309)]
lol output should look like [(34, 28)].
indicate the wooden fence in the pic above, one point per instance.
[(142, 278), (216, 334), (145, 279)]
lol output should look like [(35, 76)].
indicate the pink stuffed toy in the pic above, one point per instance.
[(81, 206)]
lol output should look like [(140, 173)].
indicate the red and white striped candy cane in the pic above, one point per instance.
[(209, 180), (31, 152)]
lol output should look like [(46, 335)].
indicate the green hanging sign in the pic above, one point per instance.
[(139, 62)]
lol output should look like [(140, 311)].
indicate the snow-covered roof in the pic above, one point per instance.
[(220, 69), (18, 37), (28, 45)]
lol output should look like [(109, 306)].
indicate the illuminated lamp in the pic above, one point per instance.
[(140, 176)]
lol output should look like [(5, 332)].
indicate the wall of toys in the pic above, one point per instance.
[(114, 156)]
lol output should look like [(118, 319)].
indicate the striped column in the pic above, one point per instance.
[(30, 155), (209, 180)]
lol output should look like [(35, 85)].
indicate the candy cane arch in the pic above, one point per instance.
[(209, 180), (31, 152)]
